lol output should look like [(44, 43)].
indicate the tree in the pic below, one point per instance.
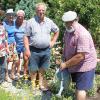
[(28, 6), (6, 4), (88, 12)]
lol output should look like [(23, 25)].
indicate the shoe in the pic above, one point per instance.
[(43, 85), (8, 80), (5, 84), (42, 88)]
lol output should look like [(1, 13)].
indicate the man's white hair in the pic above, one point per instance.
[(38, 4)]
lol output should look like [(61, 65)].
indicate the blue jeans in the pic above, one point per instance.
[(3, 65)]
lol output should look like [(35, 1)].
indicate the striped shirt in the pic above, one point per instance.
[(39, 33)]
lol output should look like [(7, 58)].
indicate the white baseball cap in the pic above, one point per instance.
[(9, 11), (69, 16)]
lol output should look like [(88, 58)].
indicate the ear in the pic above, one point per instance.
[(77, 18)]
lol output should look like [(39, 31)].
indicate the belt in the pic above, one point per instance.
[(40, 49)]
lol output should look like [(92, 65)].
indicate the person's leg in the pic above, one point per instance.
[(26, 74), (11, 61), (44, 65), (18, 68), (80, 95), (33, 66), (2, 69), (41, 76), (84, 82), (25, 65), (15, 64), (6, 75), (7, 78)]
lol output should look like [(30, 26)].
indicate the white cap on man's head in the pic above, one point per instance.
[(20, 13), (9, 11), (69, 16)]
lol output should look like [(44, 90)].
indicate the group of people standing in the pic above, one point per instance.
[(14, 30), (32, 38)]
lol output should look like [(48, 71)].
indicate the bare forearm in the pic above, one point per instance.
[(55, 37), (26, 42), (74, 60)]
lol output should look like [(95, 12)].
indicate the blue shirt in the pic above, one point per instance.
[(19, 33), (10, 29)]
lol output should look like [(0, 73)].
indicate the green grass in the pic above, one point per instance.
[(5, 95)]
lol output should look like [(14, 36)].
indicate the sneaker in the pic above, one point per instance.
[(43, 85), (4, 84)]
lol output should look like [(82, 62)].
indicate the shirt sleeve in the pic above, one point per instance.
[(83, 43), (28, 28), (54, 27)]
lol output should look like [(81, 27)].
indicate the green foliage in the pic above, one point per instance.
[(4, 95), (92, 91), (28, 6), (88, 12), (98, 68), (6, 4)]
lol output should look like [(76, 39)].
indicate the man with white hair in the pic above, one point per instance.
[(20, 31), (79, 54), (38, 30)]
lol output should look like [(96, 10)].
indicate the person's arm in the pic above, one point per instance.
[(55, 30), (26, 44), (73, 61), (6, 45), (6, 42), (54, 39), (26, 38)]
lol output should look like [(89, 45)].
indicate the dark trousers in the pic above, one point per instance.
[(2, 68)]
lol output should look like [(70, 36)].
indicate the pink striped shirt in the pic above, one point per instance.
[(80, 41)]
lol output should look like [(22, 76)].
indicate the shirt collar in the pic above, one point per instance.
[(38, 20)]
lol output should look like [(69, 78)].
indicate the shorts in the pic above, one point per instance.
[(40, 58), (12, 56), (20, 49), (83, 80)]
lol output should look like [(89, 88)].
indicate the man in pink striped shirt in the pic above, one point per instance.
[(79, 54)]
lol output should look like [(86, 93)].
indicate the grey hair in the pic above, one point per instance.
[(38, 4)]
